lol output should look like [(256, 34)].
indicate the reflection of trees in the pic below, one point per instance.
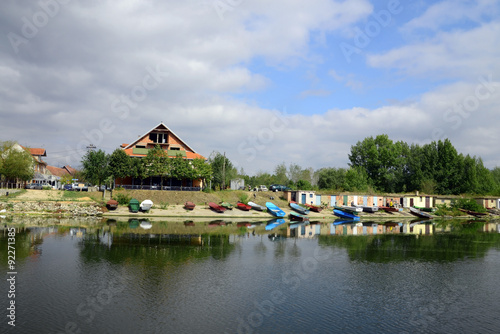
[(438, 247), (24, 246), (155, 249)]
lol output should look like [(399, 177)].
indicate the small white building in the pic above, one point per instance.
[(237, 184)]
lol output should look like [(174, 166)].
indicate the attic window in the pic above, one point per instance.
[(158, 138), (140, 146), (175, 148)]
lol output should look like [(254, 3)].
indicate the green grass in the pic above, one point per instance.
[(69, 195), (12, 195)]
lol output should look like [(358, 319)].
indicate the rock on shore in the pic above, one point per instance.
[(63, 208)]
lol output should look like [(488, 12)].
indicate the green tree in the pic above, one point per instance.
[(280, 174), (222, 169), (356, 179), (201, 170), (138, 169), (157, 163), (15, 164), (331, 178), (119, 164), (95, 166)]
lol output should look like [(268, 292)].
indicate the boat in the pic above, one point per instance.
[(256, 206), (112, 204), (352, 209), (274, 210), (388, 208), (272, 224), (243, 206), (369, 209), (474, 213), (298, 208), (418, 213), (216, 207), (134, 205), (298, 217), (345, 215), (226, 205), (314, 208), (146, 205), (425, 209), (189, 205)]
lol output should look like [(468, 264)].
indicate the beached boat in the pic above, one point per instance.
[(314, 208), (418, 213), (272, 224), (298, 217), (474, 213), (256, 206), (189, 205), (345, 215), (274, 210), (216, 207), (298, 208), (146, 205), (112, 204), (388, 208), (226, 205), (369, 209), (425, 209), (134, 205), (352, 209), (243, 206)]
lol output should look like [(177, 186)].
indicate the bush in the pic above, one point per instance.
[(468, 204), (122, 199)]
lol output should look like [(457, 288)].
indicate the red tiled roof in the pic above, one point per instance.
[(36, 151), (57, 171), (70, 170), (189, 155)]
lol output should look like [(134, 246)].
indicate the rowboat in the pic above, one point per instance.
[(189, 205), (345, 215), (274, 210), (425, 209), (243, 206), (298, 217), (112, 204), (369, 209), (274, 223), (298, 208), (418, 213), (351, 208), (216, 207), (256, 206), (226, 205), (474, 213), (133, 205), (388, 208), (146, 205), (314, 208)]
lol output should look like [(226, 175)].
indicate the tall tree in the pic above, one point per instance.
[(201, 170), (95, 166), (331, 178), (15, 164), (157, 163), (223, 170), (280, 174), (119, 164)]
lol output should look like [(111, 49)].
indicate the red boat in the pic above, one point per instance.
[(189, 205), (112, 204), (216, 207), (388, 208), (314, 208), (243, 206)]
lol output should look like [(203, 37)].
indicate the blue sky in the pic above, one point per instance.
[(263, 81)]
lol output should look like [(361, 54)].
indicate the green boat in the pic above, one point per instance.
[(134, 205), (226, 205)]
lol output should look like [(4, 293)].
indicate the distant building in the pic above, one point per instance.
[(237, 184)]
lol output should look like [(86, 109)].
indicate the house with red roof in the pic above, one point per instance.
[(173, 145)]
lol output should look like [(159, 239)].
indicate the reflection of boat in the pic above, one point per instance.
[(217, 223), (274, 210), (112, 204), (243, 206), (274, 223), (418, 213), (298, 217), (134, 205), (216, 207), (343, 221), (133, 223), (189, 205), (298, 208), (296, 224), (256, 206), (345, 215), (146, 205), (189, 223), (474, 213), (146, 225), (243, 224)]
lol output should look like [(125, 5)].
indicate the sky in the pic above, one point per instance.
[(265, 82)]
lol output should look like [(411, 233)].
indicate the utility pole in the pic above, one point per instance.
[(224, 172), (91, 147)]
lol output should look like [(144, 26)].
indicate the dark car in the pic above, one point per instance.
[(278, 187), (34, 186), (68, 187)]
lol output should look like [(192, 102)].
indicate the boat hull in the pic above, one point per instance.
[(418, 213), (299, 209), (216, 207), (274, 210), (189, 205), (345, 215)]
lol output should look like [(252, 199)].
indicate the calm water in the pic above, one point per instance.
[(172, 277)]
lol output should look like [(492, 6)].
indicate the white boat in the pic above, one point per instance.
[(146, 225), (146, 205), (256, 206), (351, 208)]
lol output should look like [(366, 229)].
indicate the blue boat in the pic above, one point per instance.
[(274, 210), (345, 215), (274, 223), (299, 209)]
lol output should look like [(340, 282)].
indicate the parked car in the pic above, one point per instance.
[(260, 188), (34, 186), (67, 187), (278, 187)]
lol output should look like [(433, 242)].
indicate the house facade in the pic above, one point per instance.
[(174, 146)]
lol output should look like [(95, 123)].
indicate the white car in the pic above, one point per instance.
[(261, 188)]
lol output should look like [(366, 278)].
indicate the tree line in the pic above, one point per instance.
[(15, 165)]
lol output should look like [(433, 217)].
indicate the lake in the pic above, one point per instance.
[(97, 276)]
